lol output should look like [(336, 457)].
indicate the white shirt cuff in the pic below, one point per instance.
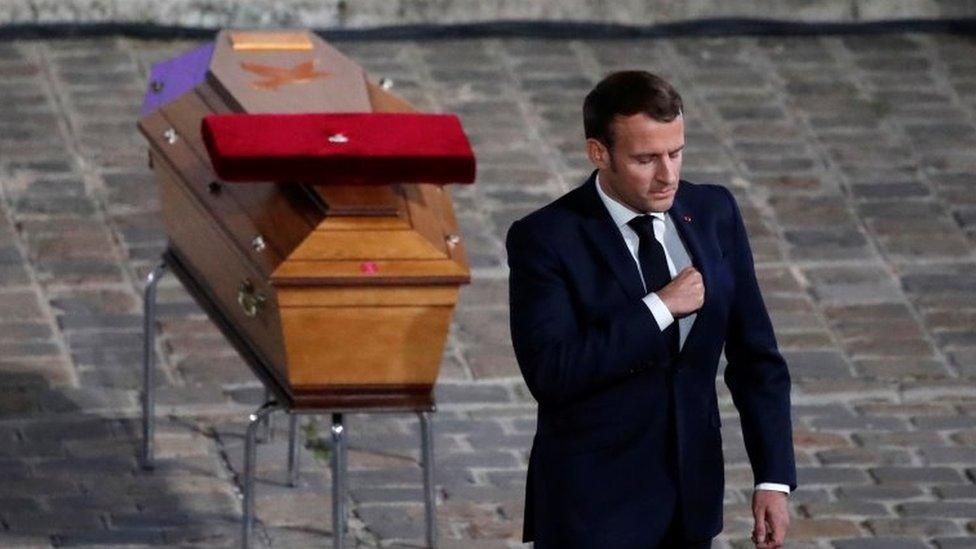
[(773, 486), (660, 311)]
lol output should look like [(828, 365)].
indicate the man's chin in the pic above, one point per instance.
[(659, 205)]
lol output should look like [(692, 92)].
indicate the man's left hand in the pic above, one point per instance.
[(771, 513)]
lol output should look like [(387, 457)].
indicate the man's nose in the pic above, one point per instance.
[(667, 171)]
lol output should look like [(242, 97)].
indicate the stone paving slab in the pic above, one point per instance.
[(852, 159)]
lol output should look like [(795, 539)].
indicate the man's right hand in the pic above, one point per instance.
[(685, 293)]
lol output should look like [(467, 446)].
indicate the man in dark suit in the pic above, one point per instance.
[(623, 292)]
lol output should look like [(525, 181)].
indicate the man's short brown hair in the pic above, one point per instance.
[(627, 93)]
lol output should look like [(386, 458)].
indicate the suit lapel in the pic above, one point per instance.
[(684, 221), (606, 238)]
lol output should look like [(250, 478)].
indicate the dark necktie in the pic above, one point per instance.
[(654, 267)]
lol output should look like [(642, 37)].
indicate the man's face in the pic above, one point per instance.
[(643, 168)]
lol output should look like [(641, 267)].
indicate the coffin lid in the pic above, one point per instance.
[(286, 72)]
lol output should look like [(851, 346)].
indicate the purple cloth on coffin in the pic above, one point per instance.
[(172, 78)]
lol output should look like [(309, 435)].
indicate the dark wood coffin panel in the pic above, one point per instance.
[(230, 219), (353, 399), (214, 261), (260, 365), (277, 213)]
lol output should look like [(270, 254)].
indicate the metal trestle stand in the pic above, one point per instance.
[(275, 401)]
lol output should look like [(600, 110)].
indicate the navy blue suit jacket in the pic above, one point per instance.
[(597, 363)]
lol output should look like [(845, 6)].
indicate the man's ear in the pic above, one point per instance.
[(598, 154)]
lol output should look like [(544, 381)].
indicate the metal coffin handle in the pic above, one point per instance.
[(249, 300)]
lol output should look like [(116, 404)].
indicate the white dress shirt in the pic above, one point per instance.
[(621, 215)]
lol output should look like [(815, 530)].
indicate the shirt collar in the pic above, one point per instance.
[(618, 212)]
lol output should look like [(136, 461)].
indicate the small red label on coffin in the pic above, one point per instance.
[(340, 148)]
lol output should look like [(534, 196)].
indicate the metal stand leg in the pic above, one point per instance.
[(267, 431), (294, 454), (338, 481), (250, 456), (149, 364), (430, 503)]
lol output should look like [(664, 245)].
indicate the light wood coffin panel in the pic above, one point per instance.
[(362, 339), (437, 198), (370, 245)]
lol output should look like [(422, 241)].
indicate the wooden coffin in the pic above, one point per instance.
[(342, 295)]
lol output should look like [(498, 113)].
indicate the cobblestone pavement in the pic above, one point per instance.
[(853, 159)]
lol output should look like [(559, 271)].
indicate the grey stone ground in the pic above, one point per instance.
[(853, 159)]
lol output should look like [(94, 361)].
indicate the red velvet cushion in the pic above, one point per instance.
[(339, 148)]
